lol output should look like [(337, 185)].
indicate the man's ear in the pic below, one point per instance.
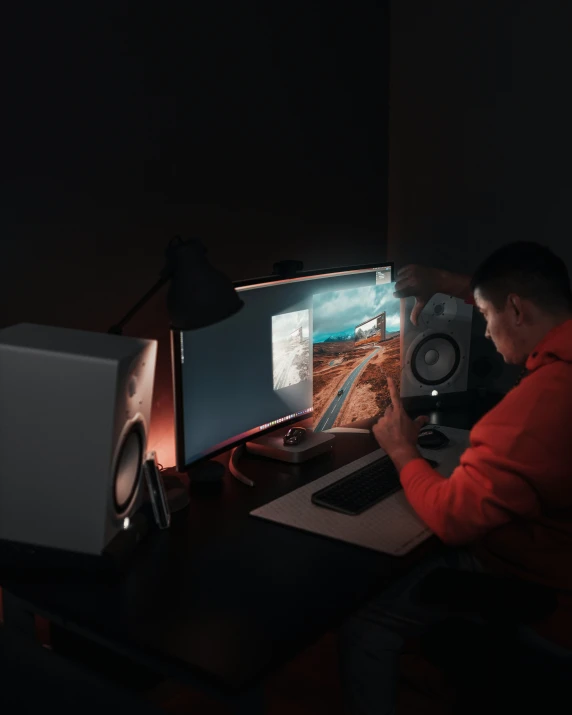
[(514, 303)]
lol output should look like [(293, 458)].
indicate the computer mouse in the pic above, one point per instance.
[(294, 436), (432, 439)]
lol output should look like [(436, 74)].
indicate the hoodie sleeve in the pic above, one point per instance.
[(488, 488)]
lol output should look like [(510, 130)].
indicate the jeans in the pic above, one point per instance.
[(372, 639)]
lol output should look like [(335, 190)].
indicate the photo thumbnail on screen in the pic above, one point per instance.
[(290, 348), (356, 346), (372, 331)]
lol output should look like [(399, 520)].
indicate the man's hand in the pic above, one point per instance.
[(396, 432), (423, 282)]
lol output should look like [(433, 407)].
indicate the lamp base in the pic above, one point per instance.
[(177, 493), (206, 473)]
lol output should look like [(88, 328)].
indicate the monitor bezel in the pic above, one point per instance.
[(176, 366)]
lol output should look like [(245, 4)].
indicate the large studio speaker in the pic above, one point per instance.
[(435, 354), (448, 354), (74, 418)]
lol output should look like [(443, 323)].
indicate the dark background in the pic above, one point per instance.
[(260, 127), (480, 128)]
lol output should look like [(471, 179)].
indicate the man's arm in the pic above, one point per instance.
[(489, 488), (423, 282), (458, 285)]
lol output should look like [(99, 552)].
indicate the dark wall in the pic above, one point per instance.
[(260, 127), (480, 129)]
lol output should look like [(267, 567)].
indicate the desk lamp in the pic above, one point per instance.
[(198, 296)]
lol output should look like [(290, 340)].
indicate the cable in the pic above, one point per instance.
[(235, 455)]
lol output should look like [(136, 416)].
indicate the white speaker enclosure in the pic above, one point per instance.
[(435, 353), (70, 402)]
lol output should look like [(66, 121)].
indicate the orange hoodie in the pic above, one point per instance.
[(511, 495)]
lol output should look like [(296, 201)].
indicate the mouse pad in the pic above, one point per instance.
[(390, 527)]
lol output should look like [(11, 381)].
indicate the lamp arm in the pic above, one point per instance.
[(117, 329)]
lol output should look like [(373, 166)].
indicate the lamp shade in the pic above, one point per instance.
[(199, 294)]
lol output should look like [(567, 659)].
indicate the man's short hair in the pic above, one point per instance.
[(529, 270)]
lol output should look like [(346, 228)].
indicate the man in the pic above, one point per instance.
[(507, 508)]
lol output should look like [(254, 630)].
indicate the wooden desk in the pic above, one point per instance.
[(222, 599)]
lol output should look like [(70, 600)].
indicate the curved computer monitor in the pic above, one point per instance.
[(309, 346)]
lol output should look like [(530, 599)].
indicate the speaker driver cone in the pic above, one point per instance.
[(435, 359), (128, 470)]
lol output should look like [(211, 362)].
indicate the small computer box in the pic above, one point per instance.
[(272, 446)]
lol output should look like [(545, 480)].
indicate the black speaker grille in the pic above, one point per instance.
[(425, 346)]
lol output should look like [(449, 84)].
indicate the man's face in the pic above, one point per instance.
[(502, 329)]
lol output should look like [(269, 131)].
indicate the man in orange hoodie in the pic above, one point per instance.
[(507, 507)]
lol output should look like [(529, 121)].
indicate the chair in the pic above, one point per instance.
[(486, 645)]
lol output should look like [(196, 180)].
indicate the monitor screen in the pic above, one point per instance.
[(316, 345)]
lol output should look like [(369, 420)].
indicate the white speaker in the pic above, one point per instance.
[(74, 418), (435, 353)]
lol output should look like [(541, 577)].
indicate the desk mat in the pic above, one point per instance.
[(391, 526)]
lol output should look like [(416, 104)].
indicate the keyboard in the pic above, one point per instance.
[(362, 489)]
